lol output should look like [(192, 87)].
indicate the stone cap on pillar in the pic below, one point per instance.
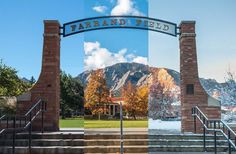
[(51, 27), (187, 22), (51, 21), (187, 26)]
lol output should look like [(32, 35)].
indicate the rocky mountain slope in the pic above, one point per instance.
[(119, 74)]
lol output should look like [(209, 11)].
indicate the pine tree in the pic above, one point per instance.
[(72, 95), (32, 80)]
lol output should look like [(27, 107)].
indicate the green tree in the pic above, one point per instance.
[(72, 95), (10, 83), (32, 80)]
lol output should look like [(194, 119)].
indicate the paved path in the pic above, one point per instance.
[(125, 130), (116, 130), (163, 131), (71, 129)]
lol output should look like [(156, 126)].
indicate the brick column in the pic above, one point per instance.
[(48, 85), (192, 93)]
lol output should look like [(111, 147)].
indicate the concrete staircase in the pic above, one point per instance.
[(109, 142), (143, 143), (47, 143), (185, 143)]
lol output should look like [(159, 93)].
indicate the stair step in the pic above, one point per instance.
[(77, 142), (151, 142), (45, 142), (145, 136), (44, 150), (117, 136), (107, 142), (185, 148), (183, 136), (109, 149), (184, 142), (74, 149), (110, 142), (57, 135), (116, 149)]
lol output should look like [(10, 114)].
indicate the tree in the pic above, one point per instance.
[(32, 80), (142, 106), (72, 95), (162, 94), (96, 93), (129, 93), (228, 92), (10, 83)]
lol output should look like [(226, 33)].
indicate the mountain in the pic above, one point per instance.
[(25, 80), (119, 74)]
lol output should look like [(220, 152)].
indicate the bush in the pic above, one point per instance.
[(7, 105)]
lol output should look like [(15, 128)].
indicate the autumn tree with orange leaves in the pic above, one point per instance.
[(142, 106), (136, 100), (96, 93)]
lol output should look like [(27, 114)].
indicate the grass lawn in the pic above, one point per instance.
[(72, 123), (115, 123), (80, 123)]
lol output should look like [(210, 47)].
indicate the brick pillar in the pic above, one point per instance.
[(192, 93), (48, 85)]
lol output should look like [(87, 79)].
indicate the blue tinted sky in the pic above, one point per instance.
[(22, 33), (116, 45), (216, 35)]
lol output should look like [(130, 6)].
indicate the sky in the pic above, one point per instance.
[(107, 47), (215, 30), (22, 35)]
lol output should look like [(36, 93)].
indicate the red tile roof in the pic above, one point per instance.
[(115, 99)]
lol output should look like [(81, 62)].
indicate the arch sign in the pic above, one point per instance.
[(106, 22), (48, 85)]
